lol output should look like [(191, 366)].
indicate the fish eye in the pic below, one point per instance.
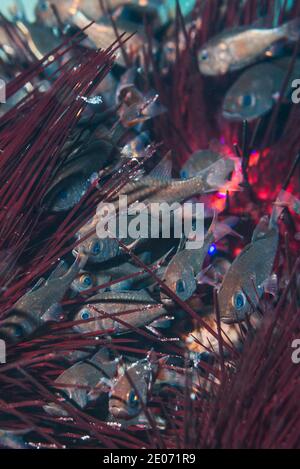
[(239, 300), (85, 314), (133, 399), (184, 174), (204, 55), (180, 286), (247, 100), (63, 195), (96, 248), (18, 331), (86, 280), (43, 6)]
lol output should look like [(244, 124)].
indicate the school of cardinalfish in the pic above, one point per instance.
[(117, 293)]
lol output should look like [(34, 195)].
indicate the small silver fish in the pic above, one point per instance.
[(254, 93), (75, 177), (41, 304), (203, 159), (248, 272), (135, 308), (88, 379), (236, 49), (65, 10), (137, 108), (98, 250), (162, 188), (157, 187), (103, 35), (87, 280), (124, 402), (181, 274)]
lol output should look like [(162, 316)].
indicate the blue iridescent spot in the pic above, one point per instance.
[(87, 281), (85, 315), (184, 174), (247, 100), (239, 300), (204, 55), (63, 195), (179, 286), (133, 399), (212, 249), (96, 248)]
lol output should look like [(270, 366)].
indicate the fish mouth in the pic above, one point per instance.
[(228, 320), (119, 413), (55, 410), (166, 301), (75, 252), (233, 116)]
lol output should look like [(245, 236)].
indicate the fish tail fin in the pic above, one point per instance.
[(222, 229), (78, 264), (225, 175), (218, 174), (291, 30), (285, 200)]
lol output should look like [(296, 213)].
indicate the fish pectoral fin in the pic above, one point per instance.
[(54, 313), (163, 259), (204, 279), (103, 387), (270, 285), (160, 336)]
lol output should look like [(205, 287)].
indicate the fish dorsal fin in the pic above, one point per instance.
[(222, 229), (261, 229), (163, 170), (59, 271), (37, 285), (270, 285), (285, 200), (162, 259)]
